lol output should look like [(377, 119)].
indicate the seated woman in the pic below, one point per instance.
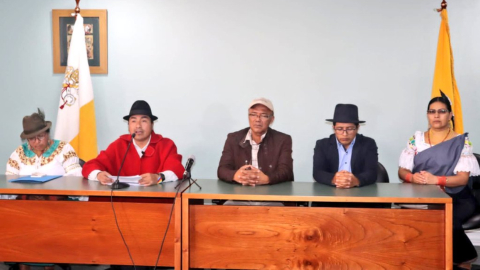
[(40, 154), (439, 156)]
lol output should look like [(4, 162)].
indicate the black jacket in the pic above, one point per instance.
[(364, 160)]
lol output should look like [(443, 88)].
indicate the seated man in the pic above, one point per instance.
[(346, 159), (149, 156), (257, 155)]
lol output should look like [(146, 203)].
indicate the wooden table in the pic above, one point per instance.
[(80, 232), (269, 237)]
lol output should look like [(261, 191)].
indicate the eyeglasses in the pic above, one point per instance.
[(38, 137), (347, 130), (439, 111), (262, 116)]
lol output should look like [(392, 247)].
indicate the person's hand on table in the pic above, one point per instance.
[(103, 178), (257, 177), (248, 175), (419, 178), (148, 179), (430, 179), (345, 179)]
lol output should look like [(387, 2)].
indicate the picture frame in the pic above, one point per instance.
[(95, 22)]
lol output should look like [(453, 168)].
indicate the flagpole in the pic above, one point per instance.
[(77, 8)]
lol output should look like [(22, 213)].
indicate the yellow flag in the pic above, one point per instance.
[(76, 117), (444, 78)]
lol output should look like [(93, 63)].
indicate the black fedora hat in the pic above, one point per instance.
[(141, 107), (345, 113)]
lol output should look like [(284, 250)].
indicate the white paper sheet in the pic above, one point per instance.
[(132, 180)]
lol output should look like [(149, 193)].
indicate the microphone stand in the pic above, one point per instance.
[(187, 176), (117, 184)]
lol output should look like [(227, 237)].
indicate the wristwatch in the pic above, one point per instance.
[(161, 178)]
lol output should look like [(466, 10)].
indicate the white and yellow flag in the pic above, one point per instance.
[(444, 77), (76, 115)]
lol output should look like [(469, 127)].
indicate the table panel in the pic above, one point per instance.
[(240, 237), (259, 237), (85, 232)]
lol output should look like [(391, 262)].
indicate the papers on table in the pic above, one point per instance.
[(132, 180)]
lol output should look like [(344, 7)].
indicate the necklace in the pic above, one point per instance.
[(430, 142)]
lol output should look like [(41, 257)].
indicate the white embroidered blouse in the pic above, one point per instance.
[(416, 144), (59, 159)]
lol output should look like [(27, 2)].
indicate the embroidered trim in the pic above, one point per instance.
[(467, 150), (24, 155), (69, 154), (72, 167), (26, 151), (411, 141), (30, 154), (468, 142), (52, 154), (13, 164), (53, 147), (412, 145)]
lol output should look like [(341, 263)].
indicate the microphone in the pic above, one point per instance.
[(117, 184), (187, 174), (188, 167)]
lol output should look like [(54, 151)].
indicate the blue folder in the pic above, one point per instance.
[(35, 180)]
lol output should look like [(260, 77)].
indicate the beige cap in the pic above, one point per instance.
[(262, 101)]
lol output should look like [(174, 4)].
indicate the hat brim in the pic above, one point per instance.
[(33, 134), (153, 117), (344, 121)]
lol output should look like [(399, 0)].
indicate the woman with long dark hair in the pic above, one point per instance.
[(440, 156)]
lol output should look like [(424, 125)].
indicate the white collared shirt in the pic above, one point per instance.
[(255, 148), (345, 156), (141, 151)]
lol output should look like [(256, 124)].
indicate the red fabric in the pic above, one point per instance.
[(160, 155), (408, 178), (442, 180)]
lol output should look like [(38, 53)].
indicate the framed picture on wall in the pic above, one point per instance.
[(95, 25)]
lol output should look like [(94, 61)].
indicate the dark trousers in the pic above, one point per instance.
[(464, 205)]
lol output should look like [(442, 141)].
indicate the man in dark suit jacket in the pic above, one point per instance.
[(346, 159), (257, 155)]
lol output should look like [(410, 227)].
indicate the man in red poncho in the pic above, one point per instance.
[(151, 156)]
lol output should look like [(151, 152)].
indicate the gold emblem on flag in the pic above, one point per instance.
[(70, 87)]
